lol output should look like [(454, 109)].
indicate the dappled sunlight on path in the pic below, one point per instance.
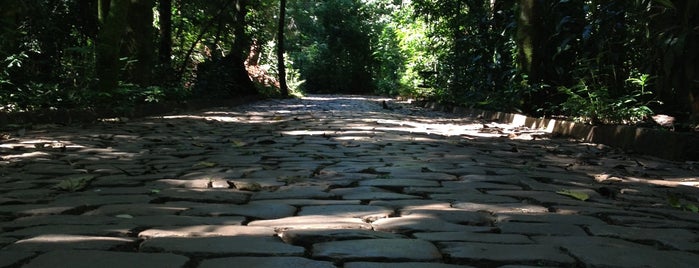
[(337, 181)]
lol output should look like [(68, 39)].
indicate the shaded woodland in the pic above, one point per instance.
[(594, 61)]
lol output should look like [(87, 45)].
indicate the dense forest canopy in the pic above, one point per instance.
[(597, 61)]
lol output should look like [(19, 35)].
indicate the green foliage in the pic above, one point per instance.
[(537, 57), (595, 104)]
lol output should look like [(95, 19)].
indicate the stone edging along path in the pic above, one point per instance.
[(677, 146)]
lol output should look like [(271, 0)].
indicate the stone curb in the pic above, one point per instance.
[(659, 143)]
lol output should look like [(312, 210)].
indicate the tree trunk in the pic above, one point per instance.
[(240, 44), (280, 49), (108, 45), (165, 44), (528, 30), (139, 44)]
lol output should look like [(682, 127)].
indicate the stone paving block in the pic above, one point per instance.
[(9, 258), (264, 262), (136, 210), (61, 220), (401, 265), (255, 210), (543, 197), (512, 208), (294, 191), (475, 197), (608, 252), (91, 230), (481, 185), (399, 182), (313, 222), (96, 199), (6, 240), (370, 193), (308, 237), (681, 239), (416, 223), (373, 249), (220, 245), (475, 236), (550, 218), (365, 212), (207, 230), (33, 210), (452, 215), (537, 228), (307, 202), (176, 220), (530, 253), (650, 221), (59, 241), (411, 204), (105, 259), (228, 196)]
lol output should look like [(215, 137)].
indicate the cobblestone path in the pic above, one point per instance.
[(336, 181)]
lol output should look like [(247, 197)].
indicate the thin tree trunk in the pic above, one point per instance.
[(108, 45), (139, 43), (280, 49), (165, 46)]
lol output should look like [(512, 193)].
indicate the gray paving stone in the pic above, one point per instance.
[(96, 199), (400, 265), (608, 252), (9, 258), (451, 215), (313, 222), (176, 220), (255, 210), (537, 228), (511, 208), (475, 197), (58, 241), (399, 182), (105, 259), (294, 192), (370, 193), (474, 236), (228, 196), (681, 239), (529, 253), (550, 218), (264, 262), (469, 184), (207, 230), (308, 237), (416, 223), (307, 202), (373, 249), (222, 245), (411, 204), (136, 210), (61, 220), (364, 212), (33, 210), (545, 197), (119, 230)]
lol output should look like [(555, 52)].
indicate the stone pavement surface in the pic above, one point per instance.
[(336, 181)]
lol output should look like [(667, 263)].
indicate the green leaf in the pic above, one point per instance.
[(692, 208), (74, 183), (674, 201), (574, 194)]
